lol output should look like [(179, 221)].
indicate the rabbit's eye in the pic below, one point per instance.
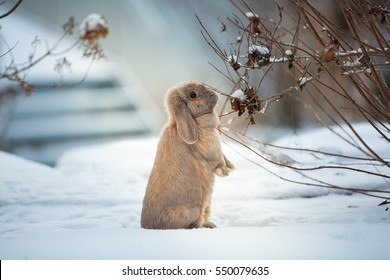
[(193, 95)]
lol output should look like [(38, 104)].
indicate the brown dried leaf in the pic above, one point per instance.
[(237, 106), (249, 63), (329, 53), (250, 93), (235, 65), (258, 55), (364, 60), (251, 104), (255, 23)]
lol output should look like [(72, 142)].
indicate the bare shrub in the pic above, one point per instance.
[(335, 69), (87, 37)]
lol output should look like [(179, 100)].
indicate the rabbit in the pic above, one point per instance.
[(189, 155)]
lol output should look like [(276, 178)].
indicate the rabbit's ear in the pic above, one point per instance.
[(186, 125)]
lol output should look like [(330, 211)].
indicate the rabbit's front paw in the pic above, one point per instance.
[(230, 167), (222, 171)]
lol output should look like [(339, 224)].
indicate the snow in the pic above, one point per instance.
[(274, 59), (232, 58), (355, 63), (278, 60), (358, 51), (261, 49), (239, 94), (364, 70), (88, 207), (303, 80), (251, 15)]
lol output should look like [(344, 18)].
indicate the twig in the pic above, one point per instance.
[(11, 10)]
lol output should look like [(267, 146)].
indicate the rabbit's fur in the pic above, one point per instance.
[(188, 156)]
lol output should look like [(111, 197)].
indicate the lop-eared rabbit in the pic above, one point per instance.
[(178, 193)]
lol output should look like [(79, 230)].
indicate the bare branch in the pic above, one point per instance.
[(11, 10)]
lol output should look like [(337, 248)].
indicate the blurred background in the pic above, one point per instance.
[(152, 45)]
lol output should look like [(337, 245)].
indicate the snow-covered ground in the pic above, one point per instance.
[(89, 207)]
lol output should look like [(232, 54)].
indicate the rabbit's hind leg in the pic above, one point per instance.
[(182, 217), (206, 215)]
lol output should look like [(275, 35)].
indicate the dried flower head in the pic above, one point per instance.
[(258, 55), (69, 25), (93, 28), (62, 64), (245, 100), (27, 87)]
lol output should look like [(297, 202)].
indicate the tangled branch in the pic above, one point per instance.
[(338, 74)]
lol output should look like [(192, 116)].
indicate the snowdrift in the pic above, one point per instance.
[(89, 207)]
